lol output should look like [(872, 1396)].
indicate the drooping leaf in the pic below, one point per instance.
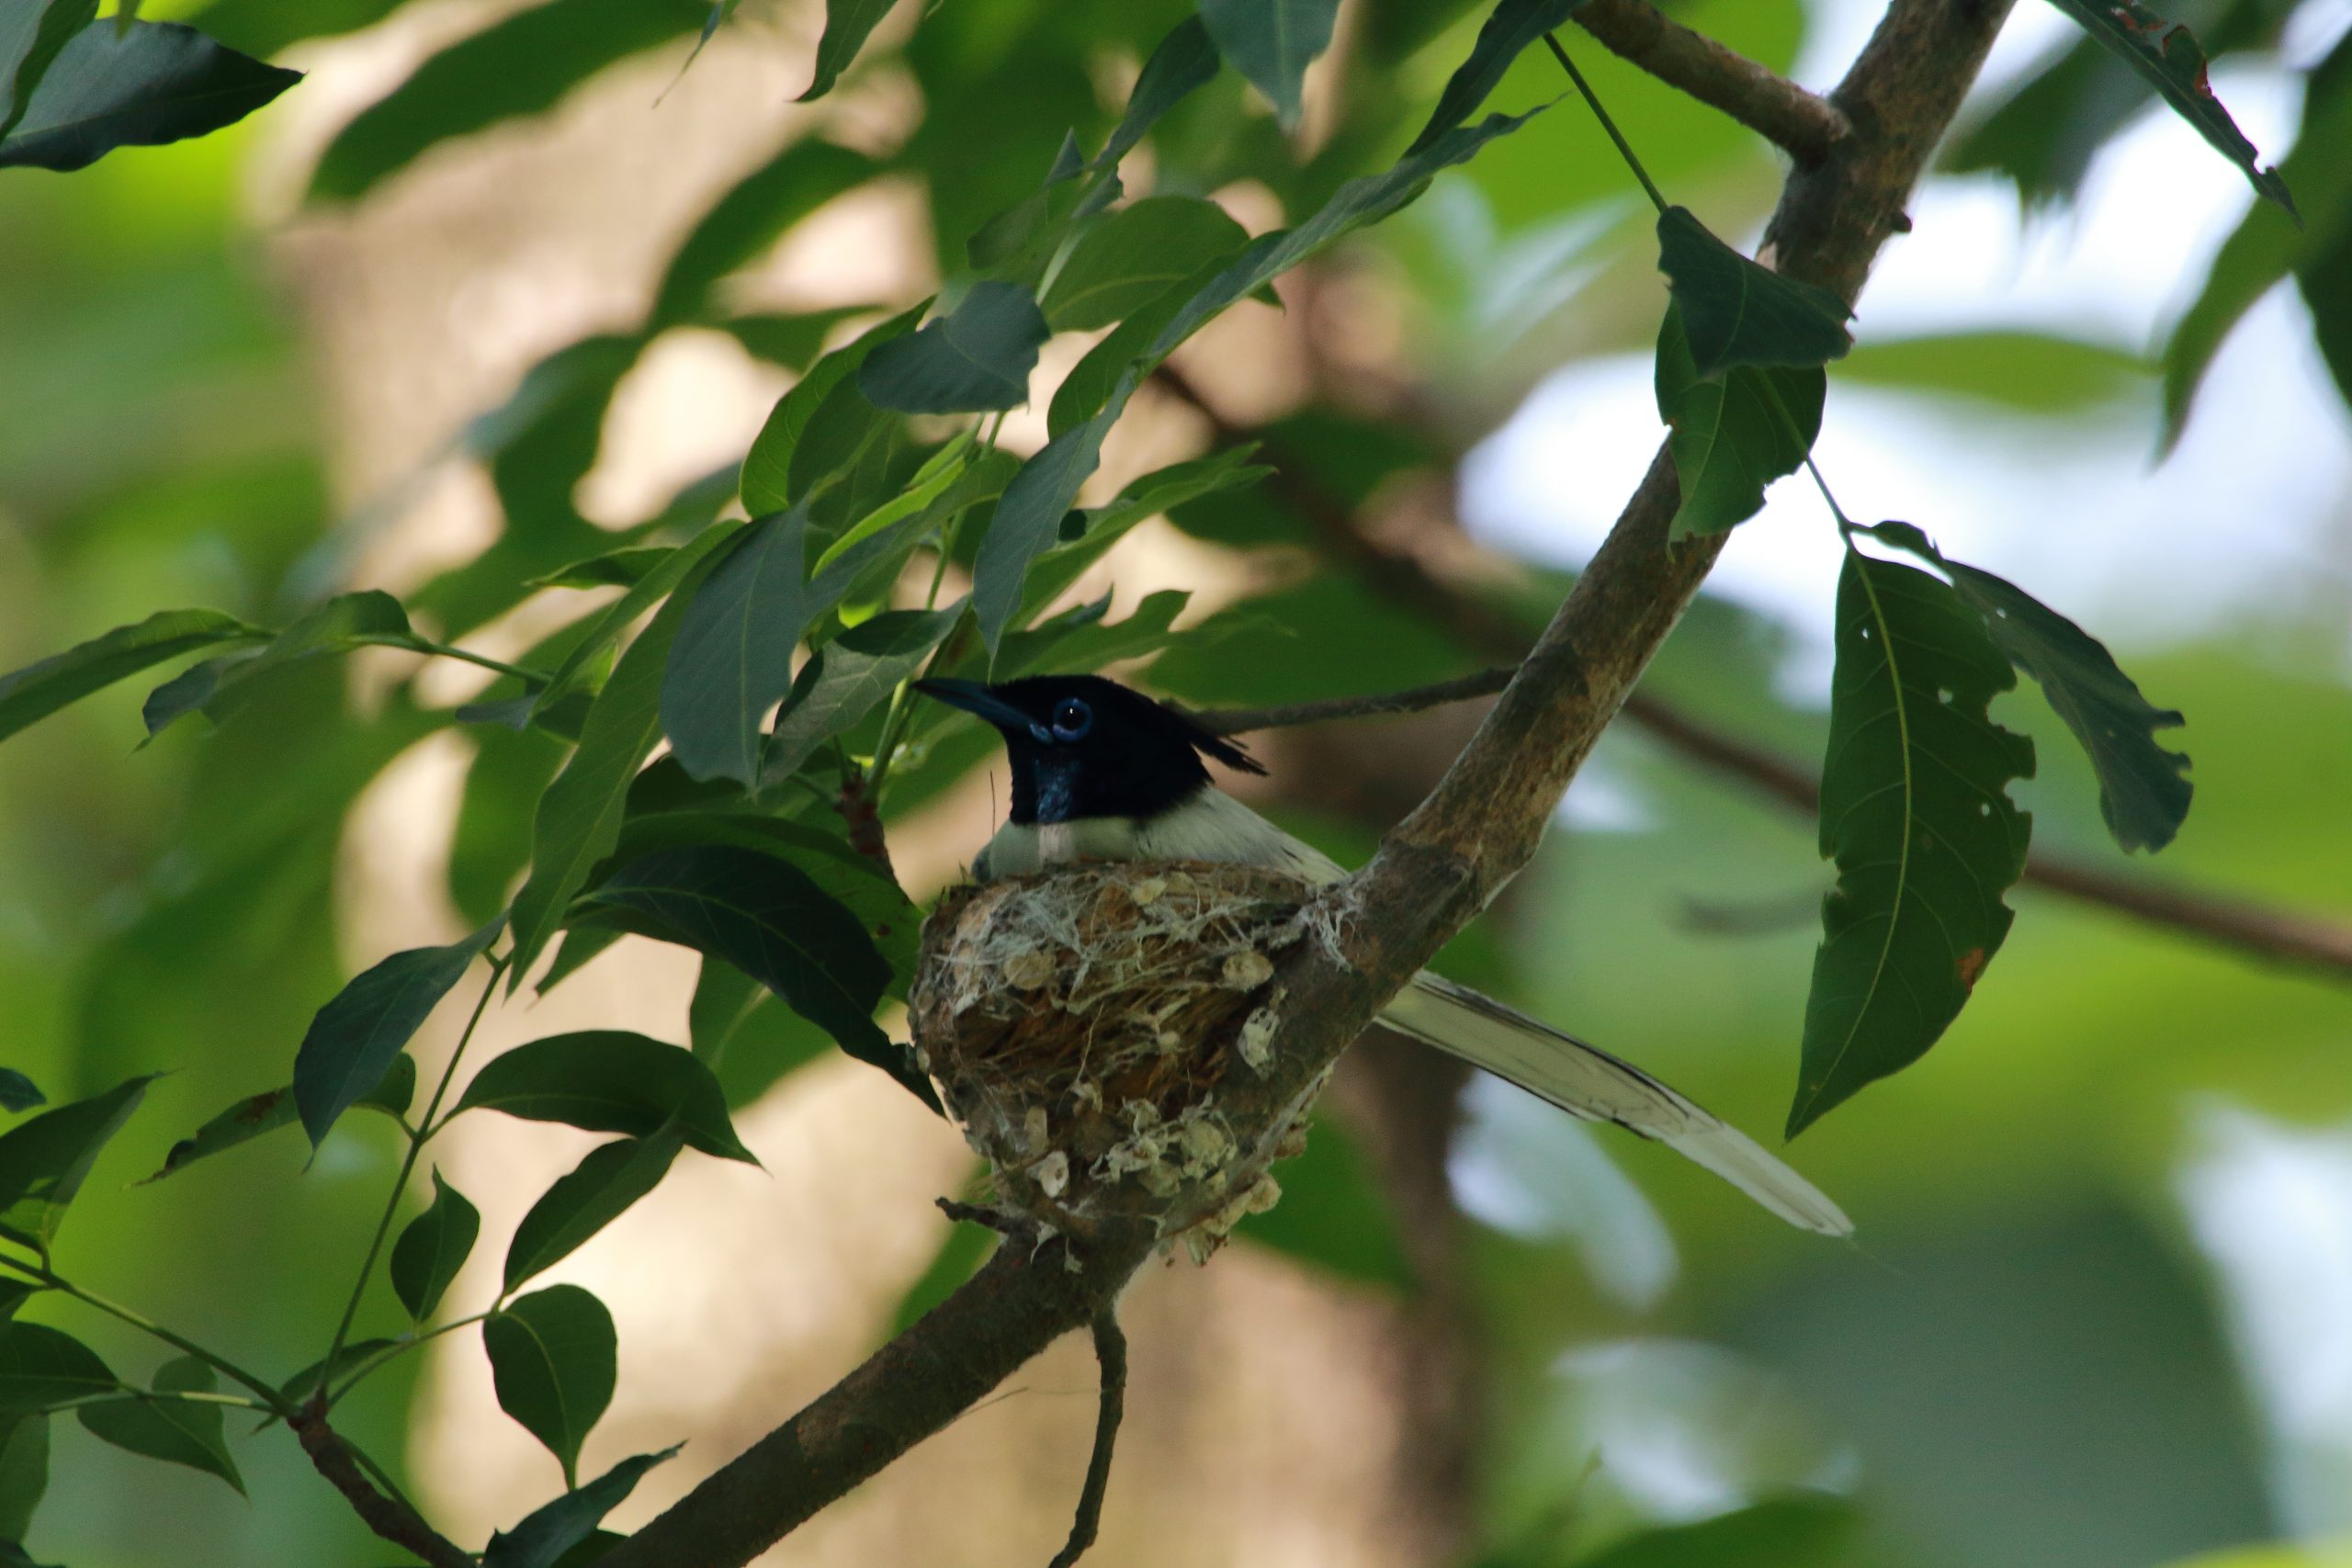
[(143, 87), (36, 691), (761, 205), (2143, 794), (45, 1159), (1915, 806), (975, 359), (177, 1431), (262, 1114), (858, 669), (41, 1366), (1732, 435), (609, 1080), (592, 1194), (2174, 63), (548, 1534), (767, 482), (433, 1249), (1271, 42), (30, 37), (1511, 26), (353, 1041), (551, 1360), (848, 24), (1133, 256), (1736, 310), (731, 659), (24, 1473), (19, 1092)]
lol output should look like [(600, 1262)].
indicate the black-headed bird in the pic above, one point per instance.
[(1103, 773)]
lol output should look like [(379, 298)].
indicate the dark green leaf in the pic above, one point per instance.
[(41, 1366), (266, 27), (2174, 63), (30, 37), (548, 1534), (1161, 490), (24, 1475), (847, 25), (761, 205), (15, 1293), (2325, 283), (153, 82), (337, 626), (350, 1358), (433, 1249), (1333, 1215), (746, 1034), (517, 66), (661, 578), (1029, 515), (177, 1431), (768, 467), (1271, 42), (976, 358), (1734, 435), (1135, 254), (1738, 311), (1185, 60), (38, 690), (261, 1113), (1094, 380), (961, 1252), (45, 1159), (354, 1039), (2141, 792), (624, 567), (19, 1092), (791, 340), (1016, 244), (732, 659), (857, 671), (1915, 806), (609, 1080), (1797, 1531), (551, 1359), (595, 1192), (1511, 27), (1088, 642)]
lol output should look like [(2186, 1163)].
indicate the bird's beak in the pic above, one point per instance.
[(977, 699)]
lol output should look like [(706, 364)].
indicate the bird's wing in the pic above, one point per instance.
[(1589, 1082)]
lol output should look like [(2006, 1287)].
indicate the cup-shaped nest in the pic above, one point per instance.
[(1097, 1032)]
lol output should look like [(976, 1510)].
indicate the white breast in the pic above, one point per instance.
[(1211, 826)]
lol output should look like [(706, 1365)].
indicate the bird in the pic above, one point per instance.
[(1101, 771)]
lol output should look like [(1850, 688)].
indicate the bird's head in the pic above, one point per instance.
[(1084, 746)]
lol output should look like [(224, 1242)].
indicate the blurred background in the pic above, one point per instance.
[(2101, 1309)]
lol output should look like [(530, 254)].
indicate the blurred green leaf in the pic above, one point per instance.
[(265, 26), (432, 1248), (1185, 60), (1089, 642), (262, 1114), (356, 1038), (1161, 490), (1332, 1214), (1511, 27), (38, 690), (1731, 437), (318, 1374), (19, 1092), (848, 23), (856, 672), (1096, 379), (2044, 135), (661, 580), (45, 1159), (220, 687), (976, 358), (768, 467), (2033, 373), (1135, 254), (624, 567), (1915, 806), (24, 1473), (30, 37), (511, 770), (791, 340), (41, 1366), (748, 1036), (551, 1360), (519, 65), (155, 82), (609, 1080), (1737, 311), (591, 1195), (961, 1252), (1785, 1532), (2325, 282), (1271, 42), (15, 1293), (758, 207), (548, 1534), (1029, 515), (731, 659), (1328, 637), (177, 1431)]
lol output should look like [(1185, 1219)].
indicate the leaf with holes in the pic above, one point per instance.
[(1736, 310), (177, 1431), (975, 359), (1731, 437), (433, 1249), (1272, 43), (547, 1533), (1915, 806), (609, 1080), (45, 1159), (551, 1361), (353, 1041)]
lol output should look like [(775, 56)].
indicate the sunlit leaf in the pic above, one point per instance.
[(36, 691), (609, 1080), (155, 82), (1133, 256), (433, 1249), (856, 671), (768, 467), (731, 659), (354, 1039), (1271, 42), (848, 24), (547, 1533), (177, 1431), (1736, 310), (1735, 434), (551, 1360), (45, 1158), (976, 358), (42, 1366), (1511, 27), (262, 1114), (759, 207), (31, 34)]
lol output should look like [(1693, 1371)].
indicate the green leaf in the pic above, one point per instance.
[(38, 690), (624, 567), (517, 66), (2174, 63), (761, 205), (1511, 27), (848, 23), (19, 1092), (1135, 254), (1029, 515), (768, 466), (220, 687), (24, 1475), (177, 1431), (2141, 792), (1271, 42), (1732, 436), (661, 578), (262, 1114), (1796, 1531), (609, 1080), (30, 37), (746, 1034), (153, 83), (1186, 59), (732, 659), (766, 917), (350, 1358), (2033, 373), (41, 1366), (266, 27), (433, 1249), (547, 1533), (1088, 642), (975, 359), (2325, 283), (580, 816), (1333, 1215), (1095, 379), (15, 1293), (1915, 806), (45, 1159), (1738, 311), (1161, 490), (965, 1247), (588, 1198), (856, 672), (353, 1041), (551, 1360), (792, 339)]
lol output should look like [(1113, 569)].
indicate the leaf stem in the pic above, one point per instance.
[(393, 1352), (271, 1399), (1592, 101), (534, 678)]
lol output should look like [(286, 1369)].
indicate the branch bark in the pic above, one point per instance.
[(1801, 123), (391, 1519)]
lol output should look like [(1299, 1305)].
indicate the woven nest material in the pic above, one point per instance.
[(1086, 1028)]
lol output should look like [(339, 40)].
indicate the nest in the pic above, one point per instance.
[(1096, 1032)]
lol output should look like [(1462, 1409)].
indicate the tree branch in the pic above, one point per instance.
[(1241, 721), (1804, 125), (1111, 1355), (394, 1521)]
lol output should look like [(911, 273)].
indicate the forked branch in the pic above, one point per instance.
[(1802, 124)]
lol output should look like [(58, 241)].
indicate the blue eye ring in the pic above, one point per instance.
[(1072, 718)]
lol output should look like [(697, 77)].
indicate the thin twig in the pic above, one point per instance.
[(1802, 124), (1467, 688), (393, 1520), (1111, 1353)]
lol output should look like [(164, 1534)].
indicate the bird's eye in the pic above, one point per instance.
[(1072, 720)]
